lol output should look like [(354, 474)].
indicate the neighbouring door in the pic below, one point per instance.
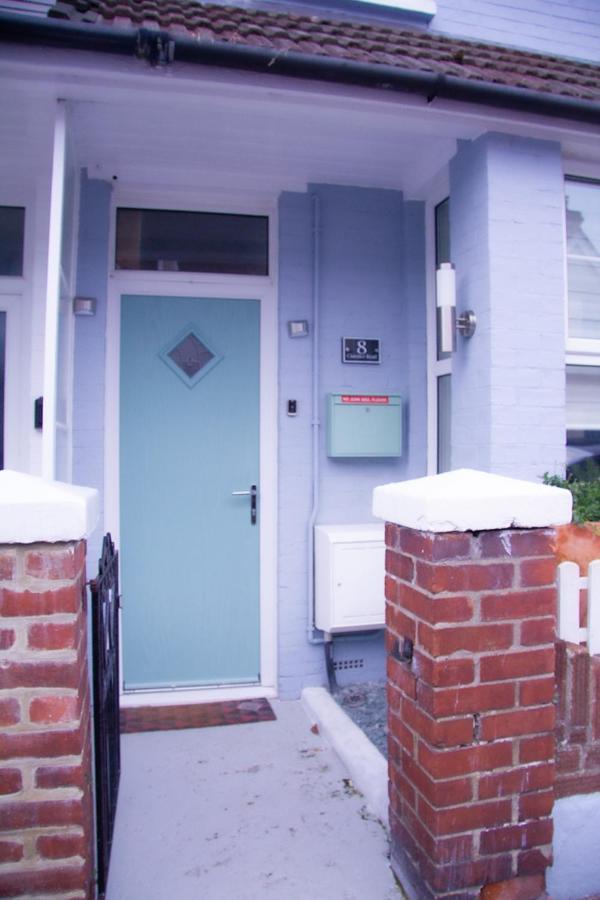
[(189, 439)]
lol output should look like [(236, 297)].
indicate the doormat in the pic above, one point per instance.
[(195, 715)]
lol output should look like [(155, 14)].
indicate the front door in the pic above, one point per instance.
[(189, 440)]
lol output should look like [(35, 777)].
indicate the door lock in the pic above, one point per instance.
[(252, 493)]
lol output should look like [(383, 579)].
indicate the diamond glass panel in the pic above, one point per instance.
[(191, 355)]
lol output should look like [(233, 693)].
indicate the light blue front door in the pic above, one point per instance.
[(189, 434)]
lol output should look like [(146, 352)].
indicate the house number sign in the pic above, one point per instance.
[(360, 350)]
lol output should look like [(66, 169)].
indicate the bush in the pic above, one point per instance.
[(586, 496)]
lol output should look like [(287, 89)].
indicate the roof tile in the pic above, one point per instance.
[(364, 42)]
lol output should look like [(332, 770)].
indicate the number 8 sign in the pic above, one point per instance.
[(360, 350)]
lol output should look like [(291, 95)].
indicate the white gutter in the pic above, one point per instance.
[(57, 191)]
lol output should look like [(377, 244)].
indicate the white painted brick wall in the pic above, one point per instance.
[(90, 347), (370, 289), (508, 390), (564, 27)]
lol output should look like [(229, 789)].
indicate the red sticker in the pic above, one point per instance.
[(364, 398)]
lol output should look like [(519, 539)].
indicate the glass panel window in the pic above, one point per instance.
[(583, 421), (175, 241), (444, 422), (583, 256), (12, 239), (442, 248), (442, 232), (583, 217), (443, 375), (584, 298)]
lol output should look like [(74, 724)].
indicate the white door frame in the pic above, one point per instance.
[(436, 368), (263, 290), (14, 376)]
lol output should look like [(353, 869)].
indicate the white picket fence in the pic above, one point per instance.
[(570, 583)]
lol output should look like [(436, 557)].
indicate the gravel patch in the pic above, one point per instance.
[(366, 704)]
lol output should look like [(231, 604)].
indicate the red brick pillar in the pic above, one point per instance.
[(470, 637), (46, 825)]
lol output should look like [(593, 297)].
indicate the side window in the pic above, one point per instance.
[(583, 422), (443, 366), (12, 244), (583, 341), (12, 239)]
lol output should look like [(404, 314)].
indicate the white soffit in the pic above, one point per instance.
[(469, 500), (36, 511)]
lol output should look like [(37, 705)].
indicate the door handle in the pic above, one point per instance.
[(252, 493)]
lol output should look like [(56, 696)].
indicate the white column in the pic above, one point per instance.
[(53, 292)]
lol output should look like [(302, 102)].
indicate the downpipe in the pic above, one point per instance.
[(315, 426)]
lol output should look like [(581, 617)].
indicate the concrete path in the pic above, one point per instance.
[(576, 869), (244, 812)]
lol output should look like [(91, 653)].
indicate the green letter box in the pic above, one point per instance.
[(364, 425)]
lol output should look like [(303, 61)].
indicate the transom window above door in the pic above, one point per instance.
[(160, 240)]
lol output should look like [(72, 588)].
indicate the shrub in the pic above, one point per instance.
[(586, 496)]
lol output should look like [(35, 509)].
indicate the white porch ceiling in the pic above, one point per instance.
[(254, 145)]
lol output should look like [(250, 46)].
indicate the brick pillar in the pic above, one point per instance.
[(46, 825), (470, 638)]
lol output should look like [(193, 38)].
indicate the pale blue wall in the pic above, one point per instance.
[(372, 257), (508, 387), (567, 28), (372, 285), (90, 337)]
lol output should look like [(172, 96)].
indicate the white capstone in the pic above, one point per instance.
[(469, 500), (33, 510)]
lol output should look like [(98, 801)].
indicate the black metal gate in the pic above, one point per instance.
[(107, 748)]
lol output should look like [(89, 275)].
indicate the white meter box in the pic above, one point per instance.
[(349, 577), (364, 425)]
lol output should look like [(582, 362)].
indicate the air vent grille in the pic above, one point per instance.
[(341, 664)]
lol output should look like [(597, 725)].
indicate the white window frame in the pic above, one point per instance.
[(15, 302)]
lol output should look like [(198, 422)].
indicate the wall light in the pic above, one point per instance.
[(297, 329), (448, 322), (84, 306)]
